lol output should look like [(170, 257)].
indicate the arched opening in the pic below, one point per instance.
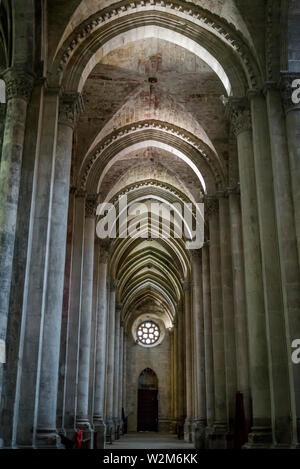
[(147, 401)]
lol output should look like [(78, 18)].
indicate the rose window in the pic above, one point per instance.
[(148, 333)]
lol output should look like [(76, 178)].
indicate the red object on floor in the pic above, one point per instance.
[(79, 438)]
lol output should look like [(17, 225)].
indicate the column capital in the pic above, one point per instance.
[(290, 91), (186, 285), (104, 245), (234, 189), (238, 113), (195, 253), (80, 193), (211, 204), (19, 83), (90, 206), (113, 285), (70, 108), (119, 307)]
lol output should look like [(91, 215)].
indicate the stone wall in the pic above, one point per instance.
[(159, 360)]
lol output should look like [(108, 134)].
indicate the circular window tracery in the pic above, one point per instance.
[(148, 333)]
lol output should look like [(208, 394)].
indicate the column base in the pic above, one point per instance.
[(110, 431), (217, 436), (188, 430), (48, 439), (99, 434), (199, 434), (259, 438), (87, 432), (117, 428)]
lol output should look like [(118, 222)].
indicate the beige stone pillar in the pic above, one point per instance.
[(73, 325), (82, 417), (188, 362), (18, 91), (117, 366), (69, 109), (208, 344), (121, 366), (240, 118), (180, 346), (292, 118), (274, 307), (218, 436), (100, 374), (228, 309), (239, 299), (199, 349), (287, 237), (110, 338)]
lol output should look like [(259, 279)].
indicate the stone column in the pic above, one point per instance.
[(174, 360), (217, 438), (98, 419), (188, 362), (228, 310), (117, 367), (121, 367), (277, 348), (38, 317), (74, 314), (292, 117), (199, 363), (53, 295), (110, 358), (239, 114), (239, 298), (180, 369), (18, 91), (208, 345), (2, 124), (287, 236), (82, 418)]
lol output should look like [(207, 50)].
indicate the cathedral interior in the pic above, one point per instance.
[(162, 101)]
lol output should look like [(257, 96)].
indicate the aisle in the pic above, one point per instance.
[(145, 440)]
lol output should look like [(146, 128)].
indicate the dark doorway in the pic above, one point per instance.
[(147, 401)]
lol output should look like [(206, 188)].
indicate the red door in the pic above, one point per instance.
[(147, 410)]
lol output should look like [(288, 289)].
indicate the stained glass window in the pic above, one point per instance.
[(148, 333)]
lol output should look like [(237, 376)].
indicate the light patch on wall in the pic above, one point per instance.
[(2, 351)]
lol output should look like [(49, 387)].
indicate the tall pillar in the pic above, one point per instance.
[(2, 124), (100, 375), (180, 346), (188, 362), (287, 237), (218, 436), (117, 367), (240, 118), (18, 91), (228, 310), (274, 307), (208, 344), (74, 315), (53, 294), (39, 281), (110, 358), (199, 363), (292, 118), (82, 418), (239, 299), (121, 366)]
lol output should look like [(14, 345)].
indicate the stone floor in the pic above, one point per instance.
[(145, 440)]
